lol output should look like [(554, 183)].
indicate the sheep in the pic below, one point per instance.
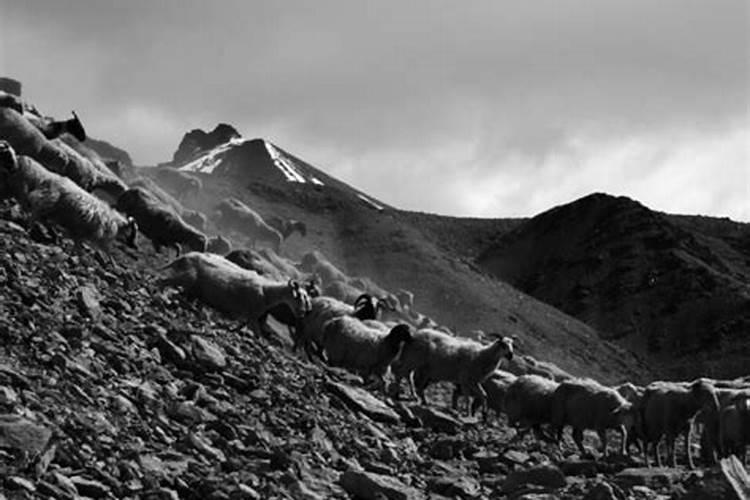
[(342, 290), (405, 299), (227, 287), (315, 262), (49, 127), (252, 260), (159, 223), (496, 387), (284, 265), (634, 395), (353, 345), (22, 174), (284, 315), (11, 101), (195, 219), (433, 356), (586, 404), (91, 174), (60, 200), (219, 245), (527, 365), (156, 190), (183, 183), (233, 214), (27, 140), (735, 428), (529, 402), (667, 409), (53, 129), (288, 227), (309, 331), (726, 392)]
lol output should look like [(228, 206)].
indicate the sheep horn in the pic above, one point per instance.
[(362, 299)]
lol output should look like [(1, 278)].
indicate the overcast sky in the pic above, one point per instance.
[(487, 108)]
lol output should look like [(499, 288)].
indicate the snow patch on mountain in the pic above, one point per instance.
[(284, 164), (208, 162)]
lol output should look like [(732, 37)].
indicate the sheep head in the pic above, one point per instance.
[(626, 415), (366, 307), (129, 233), (504, 344), (8, 158), (312, 288), (75, 128), (300, 298), (704, 394)]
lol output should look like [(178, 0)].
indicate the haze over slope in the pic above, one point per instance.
[(426, 254)]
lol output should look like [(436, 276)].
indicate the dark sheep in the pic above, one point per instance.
[(160, 223)]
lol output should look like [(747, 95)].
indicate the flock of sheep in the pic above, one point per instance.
[(346, 322)]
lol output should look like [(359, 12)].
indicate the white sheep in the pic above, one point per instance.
[(87, 169), (667, 410), (28, 140), (232, 289), (586, 404), (233, 214), (405, 299), (529, 402), (248, 258), (361, 348), (287, 227), (634, 395), (23, 174), (527, 365), (195, 218), (156, 190), (496, 387), (283, 264), (309, 333), (185, 185), (84, 216), (434, 356), (219, 245), (316, 263)]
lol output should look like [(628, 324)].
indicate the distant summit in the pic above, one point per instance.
[(199, 141), (259, 161)]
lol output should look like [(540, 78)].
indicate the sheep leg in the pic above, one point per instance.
[(602, 433), (623, 440), (691, 463), (478, 392), (671, 455), (421, 382), (578, 439), (455, 396)]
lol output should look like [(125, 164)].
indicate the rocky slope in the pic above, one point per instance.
[(402, 250), (111, 387)]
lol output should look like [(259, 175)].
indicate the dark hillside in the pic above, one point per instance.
[(672, 288)]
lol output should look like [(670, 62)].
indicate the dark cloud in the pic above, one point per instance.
[(368, 88)]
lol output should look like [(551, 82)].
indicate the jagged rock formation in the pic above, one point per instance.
[(198, 141)]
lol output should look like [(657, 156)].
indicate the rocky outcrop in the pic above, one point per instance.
[(198, 141)]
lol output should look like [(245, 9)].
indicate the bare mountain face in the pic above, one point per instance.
[(429, 255), (673, 289)]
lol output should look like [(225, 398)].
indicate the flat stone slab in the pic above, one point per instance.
[(362, 401)]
